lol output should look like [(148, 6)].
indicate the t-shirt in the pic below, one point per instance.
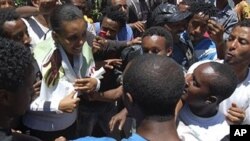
[(195, 128), (241, 95), (134, 137)]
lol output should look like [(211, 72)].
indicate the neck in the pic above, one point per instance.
[(240, 71), (205, 111), (158, 130), (43, 19), (71, 59)]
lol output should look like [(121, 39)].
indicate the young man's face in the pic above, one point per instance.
[(17, 31), (110, 28), (122, 4), (72, 36), (155, 45), (238, 46), (7, 3), (197, 26), (198, 85)]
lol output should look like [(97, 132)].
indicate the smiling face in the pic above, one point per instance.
[(72, 36), (17, 31), (238, 46)]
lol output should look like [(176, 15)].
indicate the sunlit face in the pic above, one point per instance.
[(110, 27), (197, 26), (155, 45), (17, 31), (72, 36), (122, 4), (7, 3), (238, 46), (198, 85)]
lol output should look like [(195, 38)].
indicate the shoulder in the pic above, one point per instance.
[(135, 137), (43, 48)]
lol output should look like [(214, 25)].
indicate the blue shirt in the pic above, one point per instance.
[(204, 50), (134, 137), (94, 139)]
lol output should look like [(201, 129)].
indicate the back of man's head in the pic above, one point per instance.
[(15, 60), (155, 84), (225, 82)]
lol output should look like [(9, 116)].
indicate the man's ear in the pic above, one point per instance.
[(4, 97), (129, 97), (169, 51), (35, 3), (211, 99)]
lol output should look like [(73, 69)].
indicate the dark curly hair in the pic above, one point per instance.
[(155, 83), (160, 31), (15, 61), (7, 14), (116, 15), (206, 8), (243, 23)]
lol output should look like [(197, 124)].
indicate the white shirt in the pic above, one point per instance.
[(241, 95), (195, 128)]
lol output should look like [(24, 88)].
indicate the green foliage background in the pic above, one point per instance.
[(20, 2)]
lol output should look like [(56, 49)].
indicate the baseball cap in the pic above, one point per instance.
[(167, 13)]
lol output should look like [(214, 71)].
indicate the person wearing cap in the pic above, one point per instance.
[(168, 16), (189, 43)]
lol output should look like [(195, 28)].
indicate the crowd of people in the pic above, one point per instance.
[(143, 70)]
